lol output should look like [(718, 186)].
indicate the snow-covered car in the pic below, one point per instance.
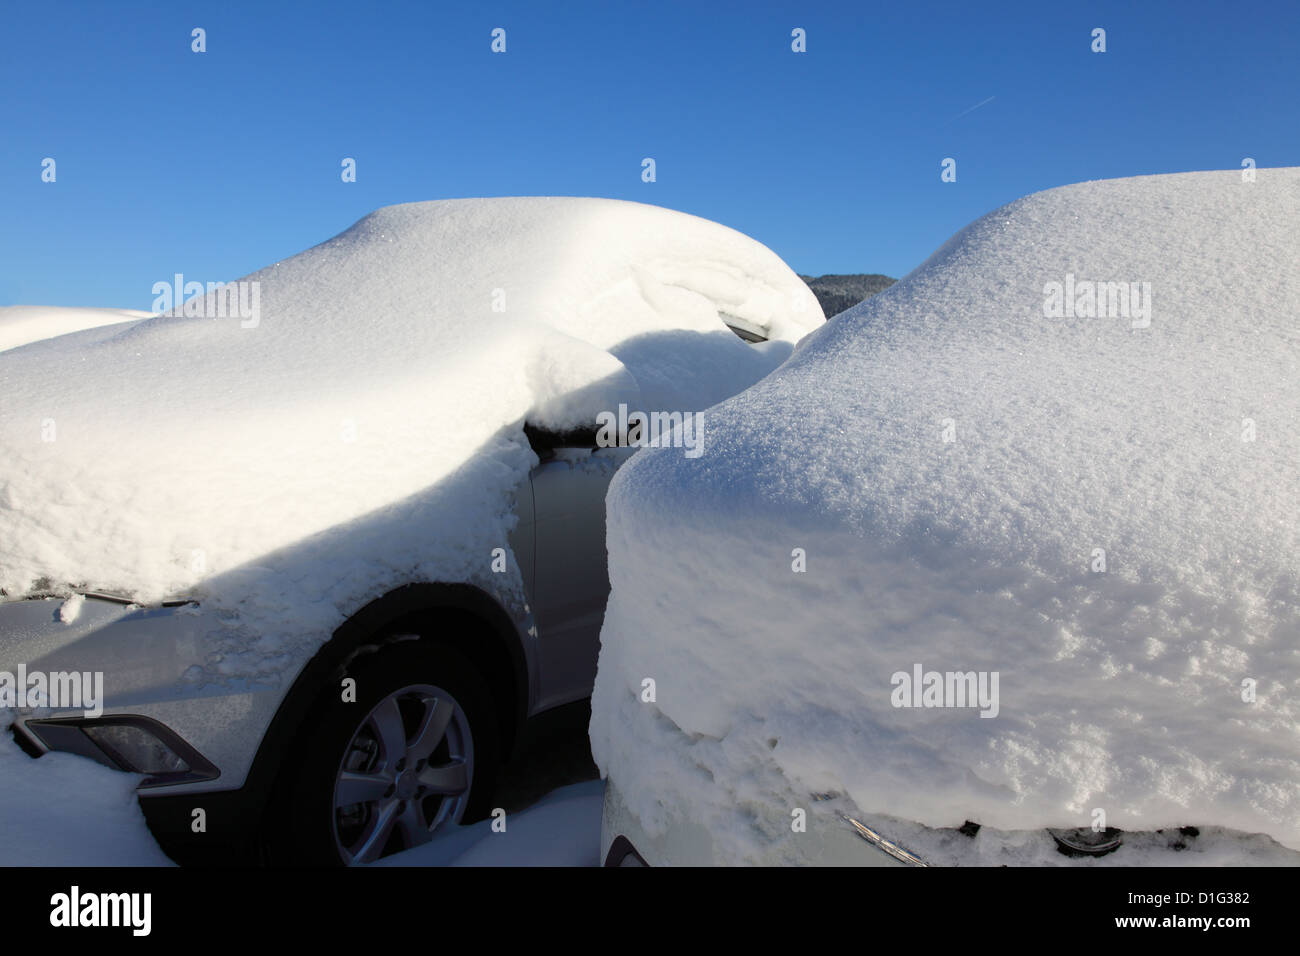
[(308, 551), (1001, 566)]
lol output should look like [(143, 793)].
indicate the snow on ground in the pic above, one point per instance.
[(64, 810), (957, 462), (561, 829), (359, 423), (21, 324)]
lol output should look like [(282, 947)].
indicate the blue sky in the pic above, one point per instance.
[(216, 164)]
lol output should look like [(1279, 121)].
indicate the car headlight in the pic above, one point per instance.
[(135, 748), (127, 742)]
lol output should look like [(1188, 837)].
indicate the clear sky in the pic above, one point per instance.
[(215, 164)]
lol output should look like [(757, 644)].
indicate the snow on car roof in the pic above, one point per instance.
[(388, 368), (1063, 451)]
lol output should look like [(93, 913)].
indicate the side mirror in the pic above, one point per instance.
[(544, 441)]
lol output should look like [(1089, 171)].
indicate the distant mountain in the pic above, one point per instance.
[(837, 293)]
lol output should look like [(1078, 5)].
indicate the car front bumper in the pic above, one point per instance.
[(835, 835), (829, 841), (147, 662)]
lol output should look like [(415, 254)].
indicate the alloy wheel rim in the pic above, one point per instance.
[(405, 774)]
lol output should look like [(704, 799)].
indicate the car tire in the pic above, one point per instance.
[(410, 732)]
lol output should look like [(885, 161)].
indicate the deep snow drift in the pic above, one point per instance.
[(64, 810), (1101, 510), (21, 324), (364, 427)]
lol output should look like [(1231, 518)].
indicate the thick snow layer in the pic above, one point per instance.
[(351, 418), (957, 465), (21, 324), (63, 810)]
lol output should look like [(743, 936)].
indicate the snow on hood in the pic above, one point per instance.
[(364, 408), (23, 324), (1101, 510)]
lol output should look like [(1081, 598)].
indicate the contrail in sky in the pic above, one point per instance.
[(975, 107)]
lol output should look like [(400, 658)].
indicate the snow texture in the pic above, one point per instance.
[(1173, 447), (23, 324), (63, 810), (561, 829)]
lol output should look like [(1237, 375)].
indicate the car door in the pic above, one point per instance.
[(570, 574)]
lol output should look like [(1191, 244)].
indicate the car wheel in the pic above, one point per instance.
[(414, 755)]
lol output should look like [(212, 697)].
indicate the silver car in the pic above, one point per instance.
[(447, 674)]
